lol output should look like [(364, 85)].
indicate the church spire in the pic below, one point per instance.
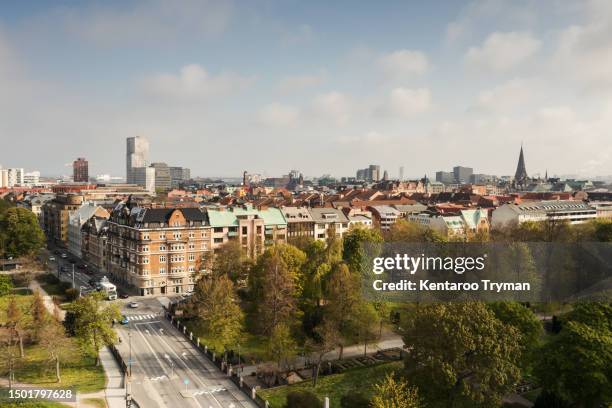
[(520, 177)]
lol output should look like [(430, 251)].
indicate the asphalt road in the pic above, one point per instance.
[(167, 370)]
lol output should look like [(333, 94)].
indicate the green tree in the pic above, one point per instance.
[(215, 306), (407, 231), (360, 246), (365, 320), (281, 346), (577, 364), (6, 285), (273, 286), (460, 354), (230, 260), (522, 319), (93, 319), (20, 233), (394, 393)]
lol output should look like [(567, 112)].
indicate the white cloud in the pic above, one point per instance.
[(192, 82), (278, 115), (502, 52), (514, 93), (299, 82), (333, 105), (149, 21), (404, 63), (409, 102)]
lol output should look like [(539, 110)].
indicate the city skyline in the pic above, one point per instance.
[(321, 88)]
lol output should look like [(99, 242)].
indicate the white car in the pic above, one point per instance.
[(52, 259), (133, 305)]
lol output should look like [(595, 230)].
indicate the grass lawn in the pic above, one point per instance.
[(95, 402), (23, 302), (77, 370), (334, 386), (6, 403)]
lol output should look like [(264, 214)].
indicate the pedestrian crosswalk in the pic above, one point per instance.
[(134, 317)]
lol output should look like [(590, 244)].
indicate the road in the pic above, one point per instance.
[(167, 369)]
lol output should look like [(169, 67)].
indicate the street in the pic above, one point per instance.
[(167, 370)]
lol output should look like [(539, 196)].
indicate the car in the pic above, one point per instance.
[(133, 305), (52, 258), (124, 295), (92, 282), (64, 255), (124, 320)]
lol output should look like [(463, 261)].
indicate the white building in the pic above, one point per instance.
[(137, 155), (328, 222), (385, 216), (144, 177), (451, 226), (31, 178), (76, 220), (11, 177), (575, 212)]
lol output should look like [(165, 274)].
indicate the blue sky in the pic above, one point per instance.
[(324, 87)]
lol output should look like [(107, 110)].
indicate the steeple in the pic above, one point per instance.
[(520, 177)]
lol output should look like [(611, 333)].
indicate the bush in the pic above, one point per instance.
[(303, 399), (354, 400), (72, 294), (549, 399), (6, 285), (22, 279)]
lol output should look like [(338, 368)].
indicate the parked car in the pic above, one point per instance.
[(133, 305), (124, 320), (52, 258), (64, 255), (124, 295)]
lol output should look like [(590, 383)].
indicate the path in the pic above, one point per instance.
[(48, 300)]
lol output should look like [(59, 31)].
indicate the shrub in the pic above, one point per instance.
[(72, 294), (302, 399), (6, 285), (22, 279)]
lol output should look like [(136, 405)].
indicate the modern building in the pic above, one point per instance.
[(76, 220), (179, 175), (445, 177), (137, 155), (80, 170), (157, 250), (31, 178), (574, 212), (462, 175), (144, 177), (371, 173), (162, 176), (55, 215), (254, 228), (11, 177)]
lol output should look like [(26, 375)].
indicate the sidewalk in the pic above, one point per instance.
[(115, 387)]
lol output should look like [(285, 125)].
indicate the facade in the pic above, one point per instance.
[(574, 212), (76, 220), (445, 177), (299, 222), (370, 173), (162, 176), (475, 222), (144, 177), (179, 175), (451, 226), (94, 239), (462, 175), (11, 177), (55, 215), (157, 250), (80, 170), (384, 216), (255, 229), (137, 155), (31, 178), (358, 217), (329, 222)]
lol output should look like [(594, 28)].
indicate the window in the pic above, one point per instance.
[(145, 236), (203, 245), (145, 248), (192, 257), (145, 260), (162, 235), (191, 246), (162, 258), (162, 271), (218, 229), (191, 235), (218, 240), (244, 230), (162, 247)]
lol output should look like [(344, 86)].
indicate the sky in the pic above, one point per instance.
[(323, 87)]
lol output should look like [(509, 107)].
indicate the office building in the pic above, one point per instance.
[(445, 177), (137, 155), (462, 174), (179, 175), (80, 170), (162, 176), (144, 177)]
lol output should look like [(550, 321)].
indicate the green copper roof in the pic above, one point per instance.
[(229, 216)]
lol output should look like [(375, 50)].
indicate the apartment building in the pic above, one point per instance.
[(157, 250), (254, 228), (384, 216), (55, 215), (329, 222), (76, 220), (94, 237), (299, 222)]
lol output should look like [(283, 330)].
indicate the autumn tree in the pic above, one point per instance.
[(54, 340), (394, 393), (39, 314), (360, 246), (15, 322), (230, 260), (93, 322), (215, 305), (325, 340), (460, 354)]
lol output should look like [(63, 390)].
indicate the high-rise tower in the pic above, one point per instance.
[(137, 155)]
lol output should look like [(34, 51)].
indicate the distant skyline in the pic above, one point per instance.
[(322, 87)]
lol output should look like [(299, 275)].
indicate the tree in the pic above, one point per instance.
[(39, 314), (303, 399), (360, 245), (273, 285), (93, 322), (20, 232), (577, 364), (326, 339), (343, 300), (214, 304), (281, 346), (460, 354), (6, 285), (366, 323), (407, 231), (231, 261), (53, 339), (393, 393), (522, 319), (15, 322)]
